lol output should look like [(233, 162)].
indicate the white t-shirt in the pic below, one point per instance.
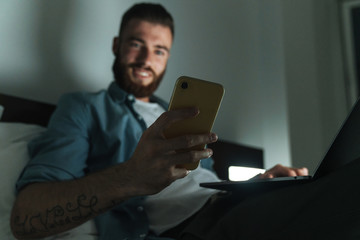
[(182, 198)]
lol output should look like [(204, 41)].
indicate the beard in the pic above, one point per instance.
[(124, 81)]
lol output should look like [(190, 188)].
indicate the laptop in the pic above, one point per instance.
[(343, 150)]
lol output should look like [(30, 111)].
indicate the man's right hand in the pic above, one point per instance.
[(153, 164), (44, 209)]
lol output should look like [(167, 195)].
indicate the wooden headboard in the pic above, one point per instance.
[(226, 153), (18, 109)]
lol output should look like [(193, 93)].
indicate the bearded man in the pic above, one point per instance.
[(104, 155)]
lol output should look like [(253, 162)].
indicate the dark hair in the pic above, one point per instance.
[(154, 13)]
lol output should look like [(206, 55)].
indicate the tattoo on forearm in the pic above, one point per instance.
[(58, 216)]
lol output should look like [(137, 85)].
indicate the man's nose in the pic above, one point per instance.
[(145, 57)]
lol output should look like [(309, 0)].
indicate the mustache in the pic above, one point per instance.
[(116, 63), (140, 65)]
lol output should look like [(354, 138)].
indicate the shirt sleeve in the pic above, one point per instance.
[(207, 164), (62, 151)]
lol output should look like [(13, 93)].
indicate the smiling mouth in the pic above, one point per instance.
[(141, 73)]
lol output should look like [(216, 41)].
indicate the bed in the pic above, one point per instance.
[(22, 120)]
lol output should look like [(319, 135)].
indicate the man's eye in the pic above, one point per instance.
[(159, 52), (134, 45)]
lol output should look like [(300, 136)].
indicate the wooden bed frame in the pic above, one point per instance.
[(26, 111), (226, 153)]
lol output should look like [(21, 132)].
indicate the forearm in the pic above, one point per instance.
[(44, 209)]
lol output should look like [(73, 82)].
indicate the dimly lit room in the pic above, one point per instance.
[(289, 70)]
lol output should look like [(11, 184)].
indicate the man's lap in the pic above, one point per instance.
[(323, 208)]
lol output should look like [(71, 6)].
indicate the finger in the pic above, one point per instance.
[(189, 141), (281, 171), (301, 171), (190, 156), (264, 175), (180, 173), (172, 116)]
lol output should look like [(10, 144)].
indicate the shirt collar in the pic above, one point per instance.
[(120, 96)]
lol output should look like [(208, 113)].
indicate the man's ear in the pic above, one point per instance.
[(115, 45)]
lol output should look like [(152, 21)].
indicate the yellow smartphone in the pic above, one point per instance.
[(192, 92)]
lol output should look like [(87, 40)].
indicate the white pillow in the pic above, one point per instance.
[(14, 138)]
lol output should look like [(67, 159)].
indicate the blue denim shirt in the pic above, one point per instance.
[(89, 132)]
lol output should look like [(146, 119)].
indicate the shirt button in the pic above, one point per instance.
[(140, 208)]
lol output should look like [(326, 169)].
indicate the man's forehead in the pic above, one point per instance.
[(138, 27)]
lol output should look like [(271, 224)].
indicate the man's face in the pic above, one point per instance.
[(141, 57)]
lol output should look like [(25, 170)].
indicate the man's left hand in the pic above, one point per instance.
[(282, 171)]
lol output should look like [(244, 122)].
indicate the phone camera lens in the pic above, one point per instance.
[(184, 85)]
